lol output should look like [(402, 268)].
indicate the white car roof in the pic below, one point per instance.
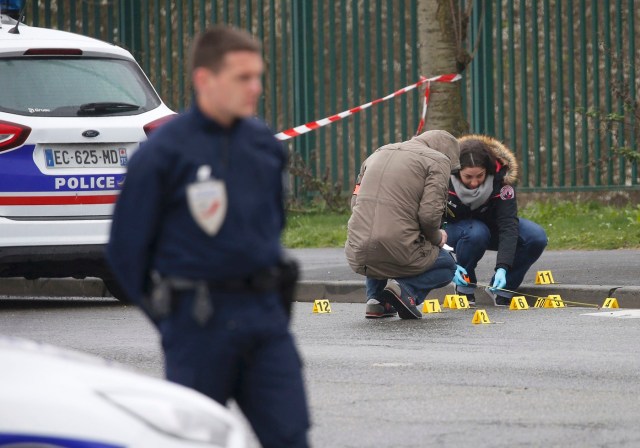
[(34, 37)]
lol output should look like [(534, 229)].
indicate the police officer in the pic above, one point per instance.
[(195, 242)]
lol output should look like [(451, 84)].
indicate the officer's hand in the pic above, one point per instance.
[(458, 279), (499, 279)]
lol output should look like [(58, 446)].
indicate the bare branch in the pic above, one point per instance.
[(456, 26)]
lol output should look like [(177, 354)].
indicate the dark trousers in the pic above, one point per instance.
[(471, 238), (244, 352), (438, 275)]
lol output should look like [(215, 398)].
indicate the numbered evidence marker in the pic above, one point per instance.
[(544, 278), (459, 303), (540, 302), (554, 301), (480, 317), (431, 306), (448, 300), (321, 306), (518, 303), (610, 302)]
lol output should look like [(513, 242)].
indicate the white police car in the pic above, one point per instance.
[(57, 398), (72, 111)]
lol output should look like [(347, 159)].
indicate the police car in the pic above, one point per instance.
[(59, 398), (72, 111)]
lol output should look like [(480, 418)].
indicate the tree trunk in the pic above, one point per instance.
[(437, 53)]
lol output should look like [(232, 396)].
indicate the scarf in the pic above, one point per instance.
[(476, 197)]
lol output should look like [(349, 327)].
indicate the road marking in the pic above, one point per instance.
[(392, 364), (620, 314)]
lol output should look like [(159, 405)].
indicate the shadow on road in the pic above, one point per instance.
[(8, 303)]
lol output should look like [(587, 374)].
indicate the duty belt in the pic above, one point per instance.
[(281, 277), (262, 281)]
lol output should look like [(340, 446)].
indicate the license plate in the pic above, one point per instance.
[(85, 157)]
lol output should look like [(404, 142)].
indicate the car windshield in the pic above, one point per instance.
[(63, 87)]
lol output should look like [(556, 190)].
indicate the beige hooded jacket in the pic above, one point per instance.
[(398, 205)]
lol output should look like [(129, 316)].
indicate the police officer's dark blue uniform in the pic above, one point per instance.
[(242, 348)]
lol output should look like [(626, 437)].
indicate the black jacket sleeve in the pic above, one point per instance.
[(508, 225)]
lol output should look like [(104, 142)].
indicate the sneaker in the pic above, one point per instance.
[(403, 303), (376, 309), (471, 298), (498, 300)]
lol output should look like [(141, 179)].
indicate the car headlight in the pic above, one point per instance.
[(174, 417)]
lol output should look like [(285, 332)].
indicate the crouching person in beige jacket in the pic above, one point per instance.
[(394, 236)]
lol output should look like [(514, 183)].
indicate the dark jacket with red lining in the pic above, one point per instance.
[(499, 213)]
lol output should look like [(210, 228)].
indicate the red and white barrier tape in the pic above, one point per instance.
[(425, 104), (303, 129)]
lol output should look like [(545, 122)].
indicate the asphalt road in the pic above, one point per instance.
[(543, 377)]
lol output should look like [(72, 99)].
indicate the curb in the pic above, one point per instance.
[(53, 287), (335, 291), (354, 292)]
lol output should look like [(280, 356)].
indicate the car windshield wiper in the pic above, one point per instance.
[(105, 108)]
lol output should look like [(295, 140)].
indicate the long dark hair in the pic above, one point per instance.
[(476, 153)]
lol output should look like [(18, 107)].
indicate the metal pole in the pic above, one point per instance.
[(548, 121), (524, 92), (572, 94), (632, 85), (512, 76), (536, 94), (559, 93), (499, 72), (595, 94)]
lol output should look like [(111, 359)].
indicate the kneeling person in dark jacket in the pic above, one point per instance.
[(482, 214)]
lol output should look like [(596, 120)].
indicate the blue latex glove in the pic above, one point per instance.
[(457, 277), (499, 279)]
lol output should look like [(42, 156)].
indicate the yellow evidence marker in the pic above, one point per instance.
[(431, 306), (544, 278), (480, 317), (610, 302), (321, 306), (540, 302), (459, 303), (518, 303), (448, 299), (554, 301)]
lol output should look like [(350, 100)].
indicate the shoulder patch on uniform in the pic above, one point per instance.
[(507, 193)]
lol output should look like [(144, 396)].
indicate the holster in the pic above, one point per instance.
[(158, 302), (289, 274)]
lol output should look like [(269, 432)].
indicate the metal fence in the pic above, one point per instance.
[(551, 79), (542, 70)]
